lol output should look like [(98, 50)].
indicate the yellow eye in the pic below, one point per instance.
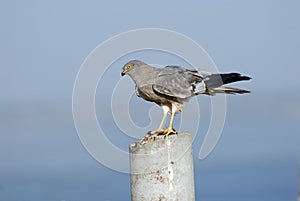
[(128, 66)]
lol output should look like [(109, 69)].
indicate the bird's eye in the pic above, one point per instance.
[(128, 66)]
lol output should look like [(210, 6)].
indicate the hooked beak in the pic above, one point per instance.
[(123, 73)]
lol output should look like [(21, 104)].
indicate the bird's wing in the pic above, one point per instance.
[(137, 92), (176, 82)]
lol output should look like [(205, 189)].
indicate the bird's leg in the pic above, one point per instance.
[(160, 128), (170, 129), (162, 122)]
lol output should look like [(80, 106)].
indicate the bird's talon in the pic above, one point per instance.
[(157, 132), (169, 131)]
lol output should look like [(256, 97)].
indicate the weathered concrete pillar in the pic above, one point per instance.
[(162, 169)]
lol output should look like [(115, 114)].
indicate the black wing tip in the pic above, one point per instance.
[(245, 77), (239, 75), (234, 77)]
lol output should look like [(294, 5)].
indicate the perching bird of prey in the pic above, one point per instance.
[(171, 86)]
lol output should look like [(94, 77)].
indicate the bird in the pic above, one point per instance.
[(171, 86)]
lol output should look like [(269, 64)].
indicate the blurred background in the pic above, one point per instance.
[(43, 44)]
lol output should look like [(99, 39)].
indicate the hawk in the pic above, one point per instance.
[(172, 86)]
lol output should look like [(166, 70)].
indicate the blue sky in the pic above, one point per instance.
[(43, 44)]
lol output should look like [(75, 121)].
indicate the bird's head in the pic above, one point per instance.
[(131, 65)]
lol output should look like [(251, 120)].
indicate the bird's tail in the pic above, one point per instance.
[(226, 90), (214, 83)]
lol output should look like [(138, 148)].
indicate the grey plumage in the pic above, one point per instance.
[(171, 86)]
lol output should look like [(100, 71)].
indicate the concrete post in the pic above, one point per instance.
[(162, 169)]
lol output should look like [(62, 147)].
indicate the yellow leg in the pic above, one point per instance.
[(171, 120), (170, 129), (160, 128), (162, 122)]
